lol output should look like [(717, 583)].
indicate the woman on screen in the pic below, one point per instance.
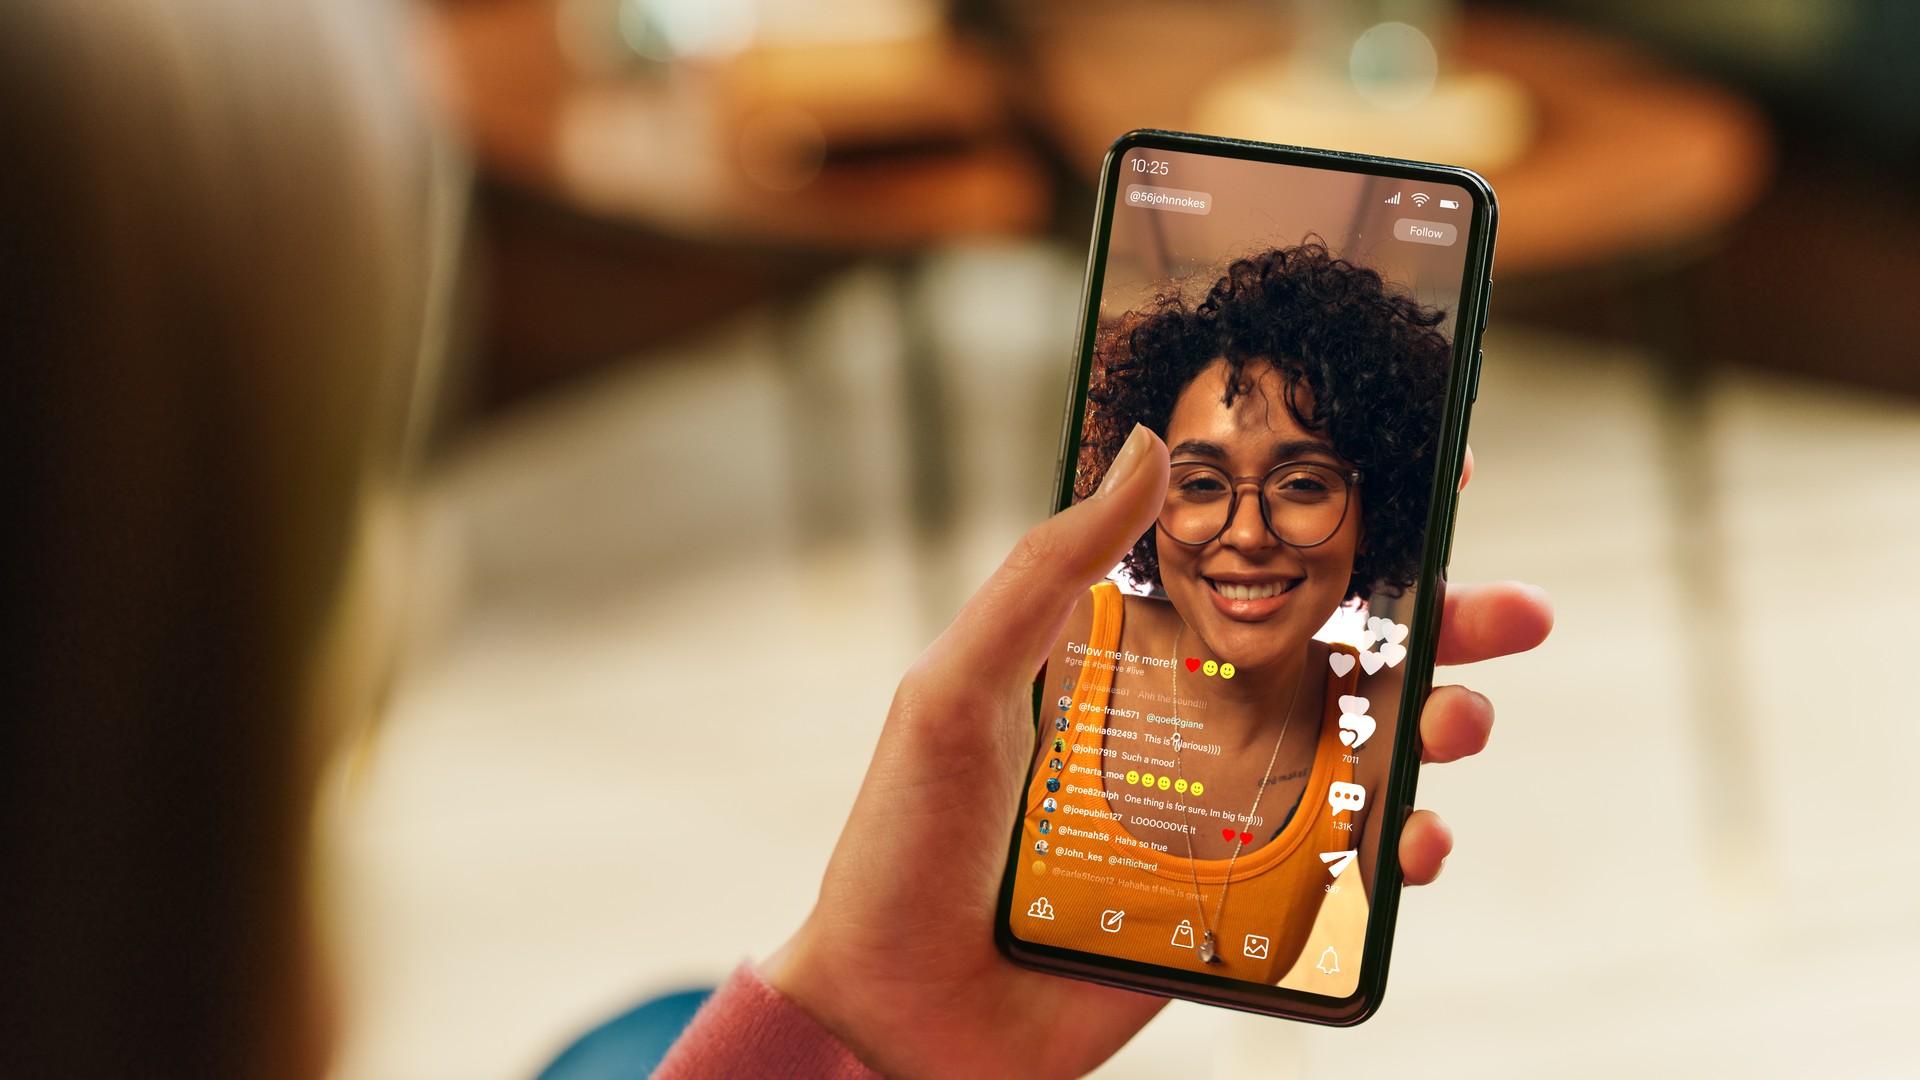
[(1209, 778)]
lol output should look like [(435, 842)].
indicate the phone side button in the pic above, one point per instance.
[(1473, 388)]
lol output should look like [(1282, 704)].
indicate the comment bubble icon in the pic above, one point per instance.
[(1344, 796)]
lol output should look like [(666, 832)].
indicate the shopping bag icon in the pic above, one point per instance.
[(1183, 935)]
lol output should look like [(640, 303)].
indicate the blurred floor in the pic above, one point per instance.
[(624, 768)]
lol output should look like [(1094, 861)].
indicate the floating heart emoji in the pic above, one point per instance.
[(1394, 653), (1393, 632), (1340, 662), (1356, 727), (1373, 661), (1368, 637), (1246, 838), (1226, 834), (1193, 663)]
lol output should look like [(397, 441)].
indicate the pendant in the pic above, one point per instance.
[(1207, 953)]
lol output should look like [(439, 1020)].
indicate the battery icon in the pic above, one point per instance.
[(1449, 204)]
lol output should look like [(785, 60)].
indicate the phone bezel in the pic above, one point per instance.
[(1403, 770)]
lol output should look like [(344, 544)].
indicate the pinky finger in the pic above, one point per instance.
[(1424, 845)]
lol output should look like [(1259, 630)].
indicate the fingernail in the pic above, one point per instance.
[(1126, 462)]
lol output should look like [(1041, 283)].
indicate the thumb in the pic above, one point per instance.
[(1006, 631)]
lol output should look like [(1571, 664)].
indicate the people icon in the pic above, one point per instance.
[(1059, 745), (1053, 784), (1066, 701), (1046, 826), (1059, 723), (1055, 764), (1050, 805), (1040, 847)]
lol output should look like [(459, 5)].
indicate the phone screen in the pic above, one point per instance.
[(1217, 727)]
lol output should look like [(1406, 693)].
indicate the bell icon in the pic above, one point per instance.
[(1329, 961), (1183, 935)]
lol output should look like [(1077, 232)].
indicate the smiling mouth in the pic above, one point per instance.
[(1262, 590)]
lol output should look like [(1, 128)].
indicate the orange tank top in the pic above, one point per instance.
[(1109, 884)]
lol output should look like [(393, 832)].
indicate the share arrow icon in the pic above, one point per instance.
[(1337, 860)]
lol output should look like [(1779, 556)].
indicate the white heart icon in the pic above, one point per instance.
[(1394, 653), (1374, 661), (1367, 638), (1340, 662), (1355, 728), (1394, 632), (1350, 703)]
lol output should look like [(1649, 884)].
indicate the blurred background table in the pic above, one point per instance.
[(1627, 155)]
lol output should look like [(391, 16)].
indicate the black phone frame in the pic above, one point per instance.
[(1403, 771)]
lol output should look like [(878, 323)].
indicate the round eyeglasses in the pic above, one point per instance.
[(1302, 503)]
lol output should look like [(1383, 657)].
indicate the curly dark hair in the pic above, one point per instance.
[(1369, 355)]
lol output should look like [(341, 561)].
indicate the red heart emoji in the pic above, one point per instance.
[(1246, 838), (1226, 834), (1193, 664)]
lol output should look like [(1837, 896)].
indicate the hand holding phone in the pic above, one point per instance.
[(897, 956)]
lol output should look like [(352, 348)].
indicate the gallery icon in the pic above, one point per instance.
[(1040, 909), (1344, 796), (1256, 947), (1329, 961), (1183, 935), (1050, 804), (1337, 860), (1110, 920)]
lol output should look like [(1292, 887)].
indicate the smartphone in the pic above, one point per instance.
[(1226, 735)]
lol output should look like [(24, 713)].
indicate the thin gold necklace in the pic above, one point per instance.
[(1209, 946)]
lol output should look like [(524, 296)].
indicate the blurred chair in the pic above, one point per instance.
[(631, 1045)]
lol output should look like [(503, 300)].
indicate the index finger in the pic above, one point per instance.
[(1480, 622)]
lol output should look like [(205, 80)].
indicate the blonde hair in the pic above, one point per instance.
[(214, 264)]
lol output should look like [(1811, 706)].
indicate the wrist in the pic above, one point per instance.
[(797, 972)]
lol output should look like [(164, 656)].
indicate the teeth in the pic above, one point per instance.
[(1248, 592)]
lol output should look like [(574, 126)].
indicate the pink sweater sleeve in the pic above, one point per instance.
[(747, 1029)]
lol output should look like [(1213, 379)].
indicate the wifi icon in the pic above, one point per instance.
[(1420, 198)]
